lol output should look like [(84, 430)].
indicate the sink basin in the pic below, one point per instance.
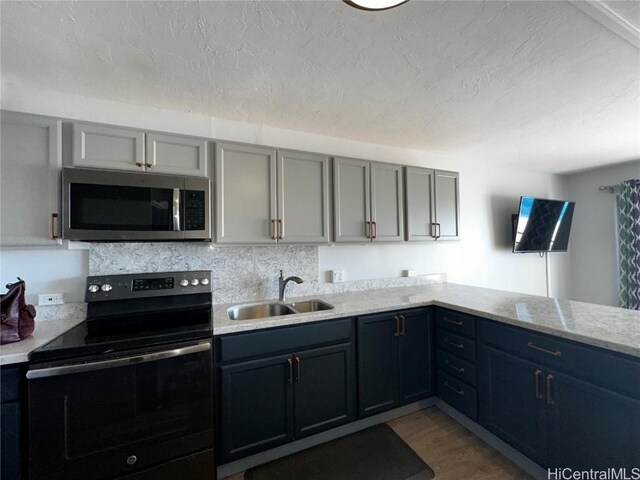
[(248, 312), (274, 309), (313, 305)]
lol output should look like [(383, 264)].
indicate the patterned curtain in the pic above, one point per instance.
[(629, 238)]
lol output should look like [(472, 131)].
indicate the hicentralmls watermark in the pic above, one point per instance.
[(607, 474)]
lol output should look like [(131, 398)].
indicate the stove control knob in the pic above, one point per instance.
[(106, 287), (184, 282), (195, 282), (93, 288), (204, 281)]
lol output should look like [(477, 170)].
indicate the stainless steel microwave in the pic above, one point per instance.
[(101, 205)]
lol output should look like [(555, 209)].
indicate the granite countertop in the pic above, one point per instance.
[(612, 328)]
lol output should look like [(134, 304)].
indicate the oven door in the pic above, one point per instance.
[(104, 418), (106, 205)]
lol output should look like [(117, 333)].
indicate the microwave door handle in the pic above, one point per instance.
[(176, 209), (117, 362)]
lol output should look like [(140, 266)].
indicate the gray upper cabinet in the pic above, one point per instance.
[(102, 146), (368, 201), (30, 184), (176, 154), (433, 204), (245, 204), (387, 202), (266, 196), (351, 200), (303, 197)]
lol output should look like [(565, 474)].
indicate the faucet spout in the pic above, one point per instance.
[(282, 284)]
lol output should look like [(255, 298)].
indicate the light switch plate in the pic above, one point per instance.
[(337, 276), (51, 299)]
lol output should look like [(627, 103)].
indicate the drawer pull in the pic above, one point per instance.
[(403, 325), (453, 344), (298, 369), (274, 235), (550, 399), (397, 332), (52, 227), (290, 379), (457, 369), (555, 353), (538, 376), (459, 392), (459, 323)]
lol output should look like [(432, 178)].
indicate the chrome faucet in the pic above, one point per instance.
[(282, 283)]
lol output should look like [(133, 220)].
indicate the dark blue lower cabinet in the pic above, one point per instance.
[(512, 402), (416, 357), (10, 442), (590, 427), (256, 406), (324, 389)]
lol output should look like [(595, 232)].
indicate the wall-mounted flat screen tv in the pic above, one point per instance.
[(542, 225)]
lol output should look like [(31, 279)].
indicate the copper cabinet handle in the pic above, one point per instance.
[(397, 332), (538, 376), (52, 224), (550, 399), (280, 229), (290, 362), (450, 365), (459, 392), (403, 325), (375, 230), (273, 230), (297, 369), (459, 323), (457, 345), (555, 353)]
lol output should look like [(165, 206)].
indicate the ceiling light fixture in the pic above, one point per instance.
[(375, 5)]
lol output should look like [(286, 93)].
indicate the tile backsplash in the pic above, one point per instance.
[(239, 274)]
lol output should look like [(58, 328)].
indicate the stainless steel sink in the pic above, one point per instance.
[(274, 309), (314, 305), (247, 312)]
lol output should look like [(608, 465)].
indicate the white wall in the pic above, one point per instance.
[(593, 251), (488, 197)]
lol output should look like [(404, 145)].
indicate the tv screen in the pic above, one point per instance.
[(542, 225)]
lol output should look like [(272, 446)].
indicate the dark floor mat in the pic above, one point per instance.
[(376, 453)]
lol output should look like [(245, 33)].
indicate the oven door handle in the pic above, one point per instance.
[(117, 362), (176, 209)]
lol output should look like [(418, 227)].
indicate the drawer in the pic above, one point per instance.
[(11, 382), (457, 345), (456, 367), (241, 346), (603, 367), (459, 395), (456, 322)]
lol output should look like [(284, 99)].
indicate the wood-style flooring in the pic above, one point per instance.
[(452, 451)]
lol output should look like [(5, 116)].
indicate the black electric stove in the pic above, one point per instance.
[(136, 311)]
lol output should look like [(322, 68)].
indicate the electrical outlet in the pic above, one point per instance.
[(337, 276), (51, 299), (409, 273)]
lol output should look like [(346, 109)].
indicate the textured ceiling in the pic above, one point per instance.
[(537, 84)]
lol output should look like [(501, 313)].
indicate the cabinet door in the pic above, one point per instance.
[(511, 407), (351, 200), (324, 389), (591, 427), (420, 202), (245, 194), (256, 406), (303, 197), (416, 358), (30, 181), (387, 202), (176, 154), (447, 203), (10, 442), (377, 364), (102, 146)]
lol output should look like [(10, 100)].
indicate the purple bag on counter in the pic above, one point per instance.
[(17, 317)]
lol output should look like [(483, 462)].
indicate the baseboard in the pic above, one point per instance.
[(525, 463), (243, 464)]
